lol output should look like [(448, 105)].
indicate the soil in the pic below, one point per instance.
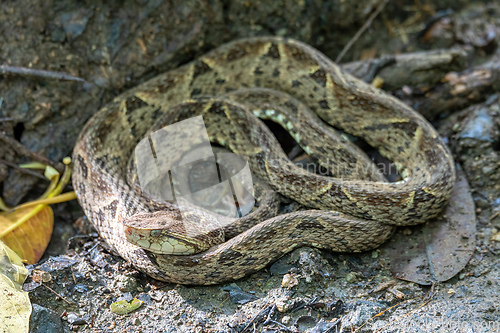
[(451, 77)]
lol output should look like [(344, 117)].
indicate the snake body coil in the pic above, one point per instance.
[(271, 74)]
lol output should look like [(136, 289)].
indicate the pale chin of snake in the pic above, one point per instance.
[(297, 86)]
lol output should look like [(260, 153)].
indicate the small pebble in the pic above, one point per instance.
[(496, 237), (289, 281), (125, 283), (75, 320), (353, 277), (284, 304)]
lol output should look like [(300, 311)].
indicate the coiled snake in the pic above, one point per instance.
[(293, 84)]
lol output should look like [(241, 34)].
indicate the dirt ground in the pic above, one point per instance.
[(115, 45)]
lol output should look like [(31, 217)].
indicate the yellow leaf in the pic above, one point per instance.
[(15, 306), (50, 172), (27, 231)]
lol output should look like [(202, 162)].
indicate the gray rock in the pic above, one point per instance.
[(45, 320), (75, 320)]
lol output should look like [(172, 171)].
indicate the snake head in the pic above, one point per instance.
[(169, 232)]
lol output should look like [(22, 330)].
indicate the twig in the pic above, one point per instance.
[(491, 250), (427, 299), (61, 297), (361, 30), (405, 315), (270, 314), (280, 325), (84, 253), (5, 69), (431, 292), (377, 315), (298, 307), (254, 318), (333, 326), (23, 170), (270, 320), (22, 150)]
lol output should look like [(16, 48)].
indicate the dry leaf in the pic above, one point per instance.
[(15, 306), (30, 239), (437, 251), (27, 228)]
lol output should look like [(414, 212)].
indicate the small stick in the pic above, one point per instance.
[(252, 320), (5, 69), (270, 314), (404, 316), (280, 325), (270, 320), (333, 326), (61, 297), (361, 30), (491, 250), (23, 170), (22, 150)]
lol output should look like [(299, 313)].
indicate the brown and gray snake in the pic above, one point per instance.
[(295, 85)]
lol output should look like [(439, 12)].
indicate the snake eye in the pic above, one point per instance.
[(155, 233)]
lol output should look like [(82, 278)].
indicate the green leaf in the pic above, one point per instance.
[(123, 307)]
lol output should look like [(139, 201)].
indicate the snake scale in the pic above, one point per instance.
[(345, 214)]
